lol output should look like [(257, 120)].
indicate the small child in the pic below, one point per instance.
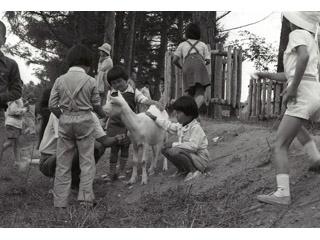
[(195, 56), (13, 123), (118, 78), (73, 97), (301, 97), (190, 154), (105, 64)]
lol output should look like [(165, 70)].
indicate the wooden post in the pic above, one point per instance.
[(178, 83), (269, 90), (258, 103), (217, 84), (229, 75), (239, 82), (234, 81), (223, 80), (254, 97), (250, 97), (263, 103), (167, 77)]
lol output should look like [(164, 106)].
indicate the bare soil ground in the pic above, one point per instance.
[(225, 196)]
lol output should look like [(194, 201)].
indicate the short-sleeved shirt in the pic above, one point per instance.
[(184, 48), (48, 144), (85, 99), (297, 38), (10, 81)]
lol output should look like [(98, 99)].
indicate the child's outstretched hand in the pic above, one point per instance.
[(122, 139), (159, 105)]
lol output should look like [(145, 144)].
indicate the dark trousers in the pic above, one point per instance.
[(48, 164), (180, 158)]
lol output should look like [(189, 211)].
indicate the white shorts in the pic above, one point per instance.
[(308, 101)]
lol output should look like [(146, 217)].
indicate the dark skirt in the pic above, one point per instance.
[(194, 72)]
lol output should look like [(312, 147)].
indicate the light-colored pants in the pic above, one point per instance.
[(75, 130)]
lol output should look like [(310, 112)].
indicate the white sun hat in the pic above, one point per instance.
[(308, 20)]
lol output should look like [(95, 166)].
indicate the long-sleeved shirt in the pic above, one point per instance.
[(87, 97), (10, 81), (190, 136)]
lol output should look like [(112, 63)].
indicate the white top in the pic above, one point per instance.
[(184, 48), (49, 140), (14, 113), (297, 38), (190, 136)]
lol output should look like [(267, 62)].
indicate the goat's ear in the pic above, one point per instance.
[(120, 95)]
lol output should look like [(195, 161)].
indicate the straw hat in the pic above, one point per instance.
[(105, 47), (308, 20)]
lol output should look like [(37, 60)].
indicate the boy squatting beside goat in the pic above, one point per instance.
[(190, 154), (118, 79)]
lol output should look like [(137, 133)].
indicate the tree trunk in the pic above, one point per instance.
[(131, 41), (163, 43), (109, 29), (284, 39), (207, 23), (119, 37), (180, 26), (139, 26)]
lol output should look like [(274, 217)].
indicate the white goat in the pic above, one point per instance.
[(143, 133)]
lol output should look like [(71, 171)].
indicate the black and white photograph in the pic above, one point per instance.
[(152, 119)]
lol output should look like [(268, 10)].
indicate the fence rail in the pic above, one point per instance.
[(264, 100)]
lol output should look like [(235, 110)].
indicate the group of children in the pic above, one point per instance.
[(75, 95), (72, 99)]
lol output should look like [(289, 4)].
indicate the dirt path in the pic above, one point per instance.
[(225, 196)]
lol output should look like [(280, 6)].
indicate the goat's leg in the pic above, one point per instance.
[(144, 179), (153, 161), (165, 164), (134, 174)]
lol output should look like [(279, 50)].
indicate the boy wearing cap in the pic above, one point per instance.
[(105, 64), (10, 83), (301, 97)]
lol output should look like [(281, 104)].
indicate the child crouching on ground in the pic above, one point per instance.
[(13, 123), (190, 154), (118, 79), (73, 97)]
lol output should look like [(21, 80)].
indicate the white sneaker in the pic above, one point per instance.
[(192, 175)]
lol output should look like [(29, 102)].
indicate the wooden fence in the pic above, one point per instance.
[(264, 100), (224, 94)]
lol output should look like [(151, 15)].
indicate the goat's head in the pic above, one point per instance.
[(115, 106)]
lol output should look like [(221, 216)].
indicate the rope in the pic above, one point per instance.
[(249, 24)]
